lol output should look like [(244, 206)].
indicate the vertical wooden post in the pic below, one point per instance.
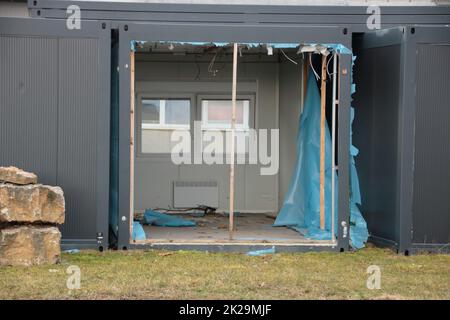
[(233, 125), (132, 94), (323, 97)]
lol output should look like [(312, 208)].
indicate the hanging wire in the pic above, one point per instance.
[(285, 55), (211, 64), (328, 63), (314, 70)]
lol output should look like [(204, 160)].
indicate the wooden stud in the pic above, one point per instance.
[(233, 125), (322, 141)]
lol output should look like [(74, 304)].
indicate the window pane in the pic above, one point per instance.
[(150, 111), (216, 114), (177, 111), (160, 117)]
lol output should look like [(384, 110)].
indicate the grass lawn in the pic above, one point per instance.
[(202, 275)]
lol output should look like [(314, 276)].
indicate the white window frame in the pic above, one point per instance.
[(153, 95), (162, 114), (248, 116), (195, 99)]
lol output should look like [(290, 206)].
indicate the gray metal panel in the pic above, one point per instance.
[(410, 40), (77, 138), (257, 9), (55, 114), (414, 36), (268, 18), (350, 16), (28, 103), (375, 135), (431, 202)]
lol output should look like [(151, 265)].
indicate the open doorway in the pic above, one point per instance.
[(186, 87)]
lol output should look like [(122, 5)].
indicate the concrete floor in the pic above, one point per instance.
[(213, 228)]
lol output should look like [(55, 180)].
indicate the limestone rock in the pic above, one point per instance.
[(29, 245), (31, 204), (17, 176)]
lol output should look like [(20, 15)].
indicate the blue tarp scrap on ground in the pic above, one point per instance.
[(138, 231), (301, 207), (166, 220), (261, 252)]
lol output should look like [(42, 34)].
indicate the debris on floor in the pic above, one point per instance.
[(235, 214), (199, 211), (165, 220), (272, 215), (262, 252), (250, 227)]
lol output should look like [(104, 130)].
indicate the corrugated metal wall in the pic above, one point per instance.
[(77, 138), (49, 100), (29, 104), (431, 201)]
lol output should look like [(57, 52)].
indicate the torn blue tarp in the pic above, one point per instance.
[(358, 226), (138, 231), (301, 207), (166, 220)]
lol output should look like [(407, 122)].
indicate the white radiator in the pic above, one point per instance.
[(189, 194)]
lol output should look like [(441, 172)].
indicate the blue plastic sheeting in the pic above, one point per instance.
[(166, 220), (358, 226), (262, 252), (301, 207), (337, 47), (138, 231)]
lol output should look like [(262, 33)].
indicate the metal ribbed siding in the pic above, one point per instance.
[(28, 102), (431, 202), (77, 139), (49, 100)]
